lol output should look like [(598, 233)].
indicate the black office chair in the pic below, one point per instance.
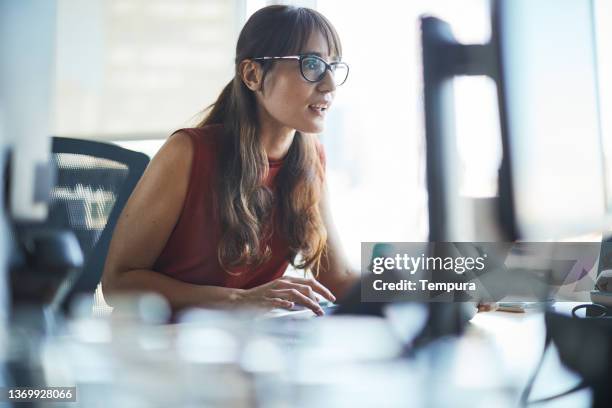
[(94, 181)]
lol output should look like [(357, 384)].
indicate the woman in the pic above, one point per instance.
[(223, 208)]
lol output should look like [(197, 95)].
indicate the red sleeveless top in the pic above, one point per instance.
[(190, 254)]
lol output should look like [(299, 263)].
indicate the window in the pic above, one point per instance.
[(375, 136), (603, 32), (138, 69)]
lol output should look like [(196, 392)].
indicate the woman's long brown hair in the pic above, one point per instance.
[(245, 206)]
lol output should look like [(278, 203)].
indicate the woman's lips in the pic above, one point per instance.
[(319, 108)]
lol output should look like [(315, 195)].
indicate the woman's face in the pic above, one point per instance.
[(289, 100)]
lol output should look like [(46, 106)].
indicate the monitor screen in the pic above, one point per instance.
[(26, 95), (550, 116)]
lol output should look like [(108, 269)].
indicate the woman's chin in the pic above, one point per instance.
[(311, 127)]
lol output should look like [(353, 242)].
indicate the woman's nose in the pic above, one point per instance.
[(327, 84)]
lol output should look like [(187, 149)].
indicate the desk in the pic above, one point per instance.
[(519, 339), (239, 361)]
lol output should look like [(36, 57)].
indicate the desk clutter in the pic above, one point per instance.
[(221, 358)]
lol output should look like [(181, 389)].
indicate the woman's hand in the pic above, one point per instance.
[(487, 306), (287, 291)]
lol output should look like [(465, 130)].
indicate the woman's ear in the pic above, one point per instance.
[(251, 74)]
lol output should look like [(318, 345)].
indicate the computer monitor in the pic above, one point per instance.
[(27, 54), (542, 57), (553, 178)]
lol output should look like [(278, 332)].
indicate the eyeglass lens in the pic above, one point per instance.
[(314, 69)]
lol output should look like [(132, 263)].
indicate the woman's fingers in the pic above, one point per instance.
[(487, 307), (296, 296), (278, 302), (315, 285), (304, 289)]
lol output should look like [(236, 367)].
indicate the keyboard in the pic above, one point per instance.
[(300, 312)]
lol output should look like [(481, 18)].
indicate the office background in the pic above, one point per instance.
[(132, 71), (135, 96)]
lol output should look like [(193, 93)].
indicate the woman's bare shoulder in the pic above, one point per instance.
[(167, 176), (177, 148)]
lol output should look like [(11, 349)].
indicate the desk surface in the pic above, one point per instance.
[(505, 348), (519, 340), (335, 361)]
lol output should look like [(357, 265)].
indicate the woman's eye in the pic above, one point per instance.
[(313, 65)]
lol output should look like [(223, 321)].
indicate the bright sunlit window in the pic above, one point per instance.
[(375, 137)]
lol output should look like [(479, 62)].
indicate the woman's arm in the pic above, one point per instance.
[(144, 226), (334, 272), (179, 294)]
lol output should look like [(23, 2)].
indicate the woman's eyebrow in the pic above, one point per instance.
[(318, 54)]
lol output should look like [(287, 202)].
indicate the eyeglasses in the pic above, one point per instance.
[(313, 68)]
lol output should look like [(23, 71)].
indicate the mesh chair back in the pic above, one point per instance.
[(94, 181)]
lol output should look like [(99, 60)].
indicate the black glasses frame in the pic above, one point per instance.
[(300, 58)]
